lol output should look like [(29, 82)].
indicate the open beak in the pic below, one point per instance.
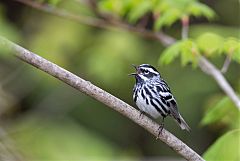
[(135, 66), (133, 74)]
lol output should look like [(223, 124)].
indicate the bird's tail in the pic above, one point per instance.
[(182, 123)]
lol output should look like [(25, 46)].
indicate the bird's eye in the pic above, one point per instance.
[(146, 71)]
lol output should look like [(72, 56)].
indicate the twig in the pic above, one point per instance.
[(91, 21), (210, 69), (226, 63), (102, 96), (165, 39), (100, 23), (185, 27)]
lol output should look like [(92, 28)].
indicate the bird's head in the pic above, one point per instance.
[(145, 72)]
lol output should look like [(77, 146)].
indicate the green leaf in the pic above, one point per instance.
[(113, 7), (210, 44), (232, 47), (139, 10), (236, 55), (224, 111), (161, 6), (186, 48), (170, 53), (189, 52), (167, 19), (198, 9), (225, 148)]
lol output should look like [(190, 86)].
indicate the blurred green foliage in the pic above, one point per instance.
[(6, 27), (223, 112), (50, 121), (45, 139), (7, 30), (49, 2), (225, 148), (170, 10)]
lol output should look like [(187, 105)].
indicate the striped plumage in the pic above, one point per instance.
[(153, 96)]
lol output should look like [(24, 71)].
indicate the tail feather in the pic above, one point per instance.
[(182, 123)]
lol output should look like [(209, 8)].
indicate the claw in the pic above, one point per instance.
[(160, 128), (141, 114)]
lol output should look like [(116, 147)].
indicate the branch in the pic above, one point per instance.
[(210, 69), (99, 23), (87, 20), (111, 101)]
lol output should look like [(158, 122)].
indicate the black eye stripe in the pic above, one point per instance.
[(145, 70)]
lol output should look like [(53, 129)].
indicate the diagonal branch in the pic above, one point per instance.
[(102, 96)]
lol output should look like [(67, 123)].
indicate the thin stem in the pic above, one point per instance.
[(100, 23), (210, 69), (185, 27), (226, 63), (95, 22), (102, 96)]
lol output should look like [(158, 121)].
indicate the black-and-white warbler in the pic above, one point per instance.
[(153, 96)]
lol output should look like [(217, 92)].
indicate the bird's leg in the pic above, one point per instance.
[(160, 128)]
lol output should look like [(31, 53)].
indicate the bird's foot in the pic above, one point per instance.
[(141, 114), (160, 128)]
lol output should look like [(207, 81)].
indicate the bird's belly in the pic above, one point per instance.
[(147, 108)]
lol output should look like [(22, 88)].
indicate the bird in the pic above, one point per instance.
[(153, 96)]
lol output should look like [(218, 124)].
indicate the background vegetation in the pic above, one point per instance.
[(44, 119)]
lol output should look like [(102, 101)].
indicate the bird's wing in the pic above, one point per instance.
[(166, 95)]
